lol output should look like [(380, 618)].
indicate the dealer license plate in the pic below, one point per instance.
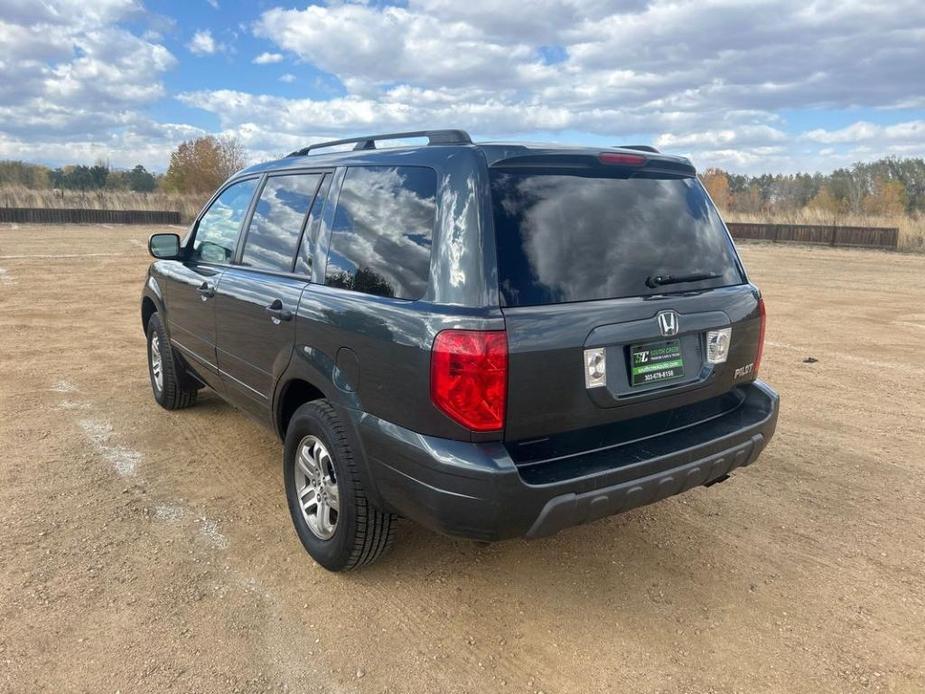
[(656, 362)]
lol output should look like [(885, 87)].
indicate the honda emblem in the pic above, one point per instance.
[(668, 323)]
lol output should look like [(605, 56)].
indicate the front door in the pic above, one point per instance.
[(191, 285)]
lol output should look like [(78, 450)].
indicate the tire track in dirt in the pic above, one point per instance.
[(125, 462)]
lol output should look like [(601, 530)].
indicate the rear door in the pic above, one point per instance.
[(613, 279), (191, 285), (259, 293)]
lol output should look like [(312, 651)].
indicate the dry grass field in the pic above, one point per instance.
[(150, 551), (18, 196), (911, 229)]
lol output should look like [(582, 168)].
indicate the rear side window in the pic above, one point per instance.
[(565, 238), (217, 233), (382, 230), (276, 227)]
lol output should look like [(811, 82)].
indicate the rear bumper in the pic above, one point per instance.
[(476, 490)]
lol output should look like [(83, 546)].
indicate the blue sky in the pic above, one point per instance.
[(751, 86)]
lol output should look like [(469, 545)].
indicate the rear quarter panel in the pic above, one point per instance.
[(391, 342)]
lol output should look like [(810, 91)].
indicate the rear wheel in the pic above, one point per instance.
[(169, 390), (335, 521)]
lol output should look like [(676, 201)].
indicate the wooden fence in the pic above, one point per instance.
[(865, 237), (43, 215)]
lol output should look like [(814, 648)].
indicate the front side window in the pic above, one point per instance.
[(382, 230), (275, 229), (217, 233)]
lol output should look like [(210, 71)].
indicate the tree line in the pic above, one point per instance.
[(196, 166), (100, 176), (889, 187)]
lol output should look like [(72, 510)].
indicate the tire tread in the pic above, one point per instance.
[(173, 396), (375, 531)]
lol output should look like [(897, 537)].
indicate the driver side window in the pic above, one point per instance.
[(217, 233)]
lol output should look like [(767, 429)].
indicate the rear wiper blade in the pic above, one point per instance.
[(653, 281)]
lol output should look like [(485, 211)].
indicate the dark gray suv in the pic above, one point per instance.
[(491, 339)]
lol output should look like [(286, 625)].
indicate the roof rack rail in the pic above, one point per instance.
[(641, 148), (434, 137)]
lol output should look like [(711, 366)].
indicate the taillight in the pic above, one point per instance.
[(620, 159), (468, 377), (762, 316)]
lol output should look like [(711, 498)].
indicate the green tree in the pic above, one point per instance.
[(140, 180), (99, 173), (74, 178)]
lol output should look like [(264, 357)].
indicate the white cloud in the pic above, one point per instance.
[(135, 141), (738, 136), (64, 13), (63, 70), (865, 132), (683, 55), (268, 58), (203, 43), (366, 45), (814, 150), (73, 82), (707, 78)]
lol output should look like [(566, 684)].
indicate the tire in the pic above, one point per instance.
[(360, 533), (170, 391)]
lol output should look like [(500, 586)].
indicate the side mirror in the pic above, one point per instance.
[(164, 246)]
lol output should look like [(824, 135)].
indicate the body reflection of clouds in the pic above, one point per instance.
[(218, 229), (274, 230), (570, 238), (382, 231)]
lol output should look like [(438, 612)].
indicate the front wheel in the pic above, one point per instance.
[(169, 391), (335, 521)]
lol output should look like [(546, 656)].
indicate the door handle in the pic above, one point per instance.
[(206, 290), (277, 312)]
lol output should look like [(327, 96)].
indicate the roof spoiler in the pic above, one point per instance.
[(434, 137), (641, 148)]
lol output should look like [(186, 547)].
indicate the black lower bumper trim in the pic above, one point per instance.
[(476, 490), (573, 509)]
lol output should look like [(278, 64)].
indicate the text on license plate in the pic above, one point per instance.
[(656, 362)]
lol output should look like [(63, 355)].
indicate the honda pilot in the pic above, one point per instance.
[(493, 340)]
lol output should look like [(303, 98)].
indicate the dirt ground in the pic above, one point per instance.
[(142, 550)]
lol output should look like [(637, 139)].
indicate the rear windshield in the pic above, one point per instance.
[(565, 237)]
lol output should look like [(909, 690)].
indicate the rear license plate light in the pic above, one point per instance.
[(718, 345), (595, 367)]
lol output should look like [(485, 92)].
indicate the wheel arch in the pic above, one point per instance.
[(304, 381), (152, 302), (291, 395), (148, 309)]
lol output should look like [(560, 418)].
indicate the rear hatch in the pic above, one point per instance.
[(624, 262)]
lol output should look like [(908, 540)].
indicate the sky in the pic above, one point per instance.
[(751, 87)]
